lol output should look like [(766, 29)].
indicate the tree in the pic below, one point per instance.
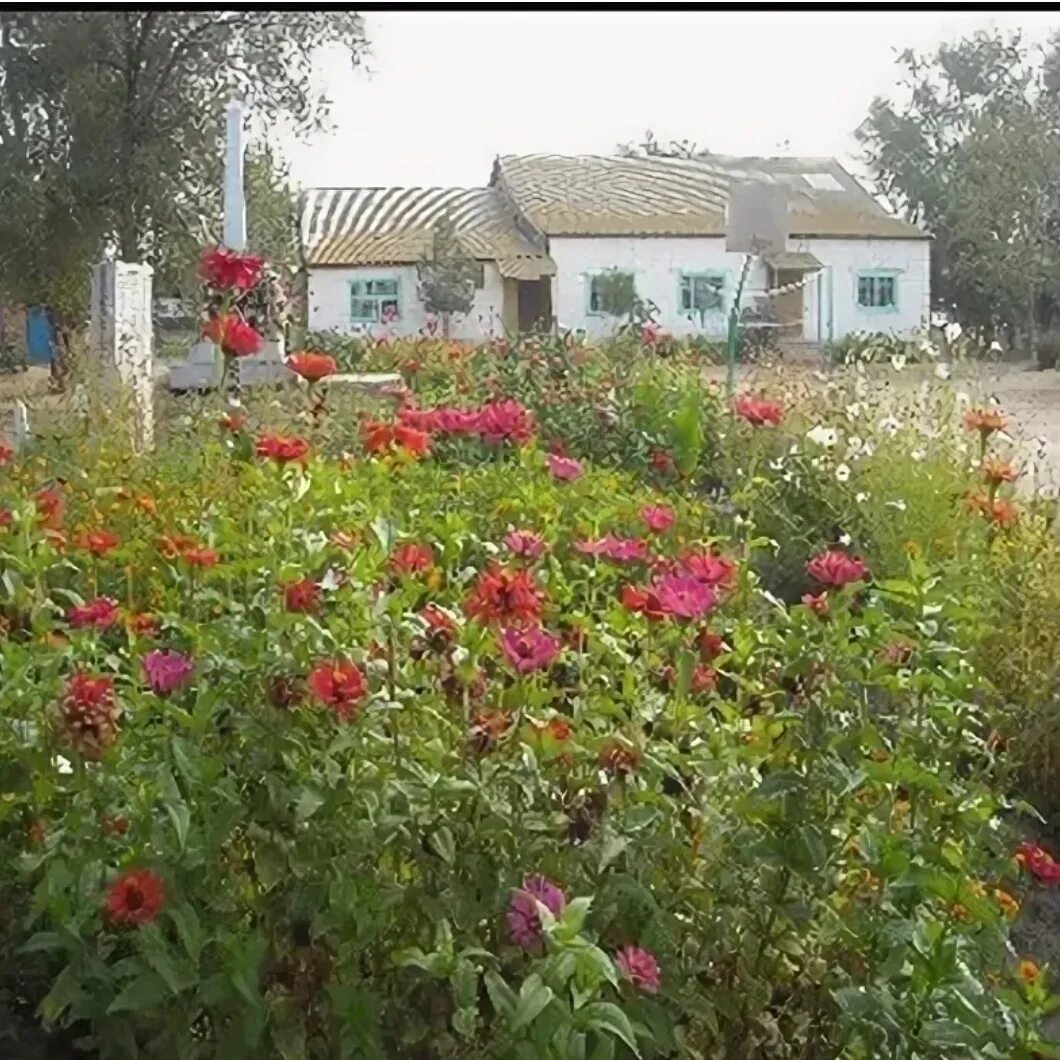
[(970, 153), (651, 148), (111, 127), (447, 278)]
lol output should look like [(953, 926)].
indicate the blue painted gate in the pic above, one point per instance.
[(40, 339)]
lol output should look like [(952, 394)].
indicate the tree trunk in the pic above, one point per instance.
[(1032, 330), (61, 359), (445, 326)]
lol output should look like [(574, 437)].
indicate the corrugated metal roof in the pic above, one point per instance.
[(794, 260), (610, 195), (374, 226)]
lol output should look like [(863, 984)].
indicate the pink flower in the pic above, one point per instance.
[(166, 670), (817, 604), (524, 924), (529, 649), (505, 421), (657, 517), (564, 468), (640, 967), (758, 411), (525, 543), (619, 549), (836, 568), (708, 567), (97, 614), (682, 596)]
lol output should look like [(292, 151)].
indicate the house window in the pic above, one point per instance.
[(878, 291), (480, 275), (375, 301), (701, 292), (610, 293)]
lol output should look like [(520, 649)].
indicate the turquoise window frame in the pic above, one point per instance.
[(704, 274), (876, 274), (362, 281), (590, 276)]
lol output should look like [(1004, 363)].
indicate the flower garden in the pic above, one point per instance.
[(550, 705)]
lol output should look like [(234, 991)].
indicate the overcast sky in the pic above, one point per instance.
[(443, 93)]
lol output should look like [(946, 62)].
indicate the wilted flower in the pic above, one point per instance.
[(530, 649), (564, 468), (301, 597), (233, 422), (639, 967), (996, 471), (524, 922), (98, 542), (486, 730), (89, 715), (340, 686), (166, 670), (619, 759), (662, 462), (836, 568), (985, 421), (1004, 514), (135, 897)]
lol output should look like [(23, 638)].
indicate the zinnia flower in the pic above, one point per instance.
[(616, 758), (486, 730), (1028, 972), (985, 421), (340, 686), (525, 543), (381, 437), (505, 421), (135, 897), (757, 411), (662, 462), (684, 597), (88, 714), (411, 558), (1004, 514), (563, 468), (707, 567), (200, 557), (818, 603), (143, 624), (98, 542), (524, 922), (312, 366), (7, 454), (511, 598), (96, 614), (836, 568), (301, 597), (1039, 863), (618, 549), (281, 449), (233, 334), (640, 967), (232, 421), (643, 602), (710, 645), (49, 504), (7, 517), (995, 471), (529, 649), (657, 517), (228, 270), (166, 670)]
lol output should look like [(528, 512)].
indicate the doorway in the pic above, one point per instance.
[(789, 304), (535, 304)]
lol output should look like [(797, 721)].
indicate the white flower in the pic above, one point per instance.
[(995, 347), (794, 449), (889, 425), (845, 539), (898, 504), (64, 764), (929, 348), (943, 371), (897, 361), (854, 444), (853, 411), (918, 454), (826, 436), (331, 580), (842, 473), (459, 655), (952, 331), (861, 497)]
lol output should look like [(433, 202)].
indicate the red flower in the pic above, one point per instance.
[(340, 686), (684, 597), (505, 421), (640, 967), (657, 517), (115, 826), (172, 546), (511, 598), (96, 614), (7, 517), (143, 625), (50, 505), (99, 542), (563, 468), (312, 366), (817, 604), (836, 568), (88, 714), (135, 897), (282, 450), (642, 601), (200, 557), (757, 410), (710, 645), (229, 270), (1004, 514), (411, 558), (1039, 863), (525, 543), (302, 597), (704, 679), (380, 437), (233, 334), (995, 471), (486, 730), (441, 627), (7, 454), (708, 567), (985, 421), (530, 649), (619, 549), (618, 759), (232, 421)]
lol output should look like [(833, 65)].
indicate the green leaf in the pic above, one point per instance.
[(144, 992), (573, 918), (186, 921), (442, 843), (534, 998), (180, 815), (309, 801), (605, 1016), (502, 996), (43, 941)]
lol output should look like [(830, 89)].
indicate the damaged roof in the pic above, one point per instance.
[(599, 195), (376, 226)]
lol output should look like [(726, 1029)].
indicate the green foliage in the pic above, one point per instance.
[(447, 279), (617, 293), (805, 826)]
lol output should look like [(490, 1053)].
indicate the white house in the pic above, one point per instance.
[(549, 227)]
